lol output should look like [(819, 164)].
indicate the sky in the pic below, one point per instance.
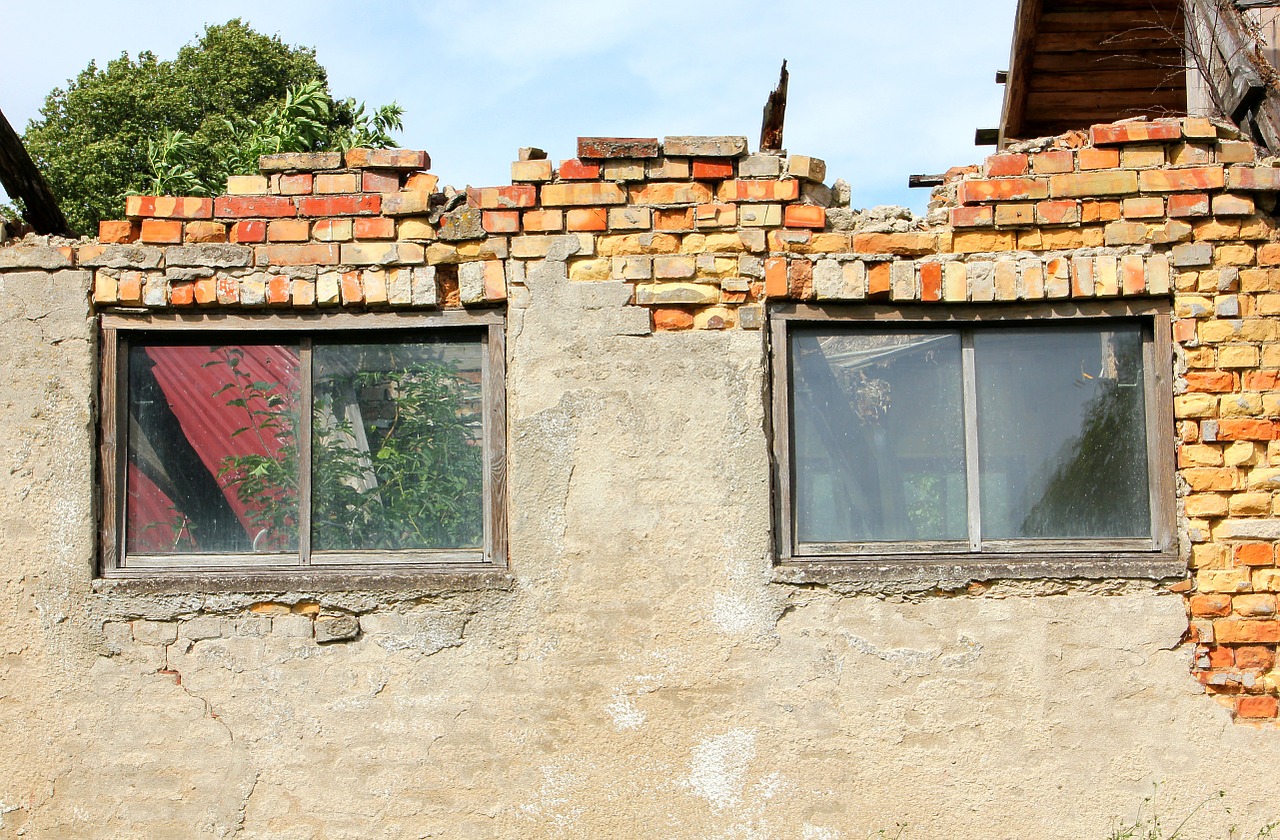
[(879, 90)]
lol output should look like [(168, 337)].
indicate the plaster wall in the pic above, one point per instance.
[(640, 677)]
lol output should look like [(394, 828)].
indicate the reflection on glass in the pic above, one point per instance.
[(1061, 432), (212, 462), (878, 432), (396, 446)]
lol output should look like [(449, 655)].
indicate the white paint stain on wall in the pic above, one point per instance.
[(718, 768), (626, 716)]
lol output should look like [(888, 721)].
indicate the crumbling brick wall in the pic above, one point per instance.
[(705, 233)]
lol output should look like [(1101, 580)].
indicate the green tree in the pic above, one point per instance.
[(145, 124)]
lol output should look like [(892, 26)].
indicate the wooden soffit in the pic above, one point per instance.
[(1079, 62)]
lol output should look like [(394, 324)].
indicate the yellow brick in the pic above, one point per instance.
[(1240, 453), (1205, 505), (1209, 556), (1216, 332), (1141, 157), (1247, 504), (631, 244), (1237, 356), (1233, 255), (1240, 405), (590, 269), (1200, 455), (1258, 329), (1224, 580), (1187, 406), (972, 242)]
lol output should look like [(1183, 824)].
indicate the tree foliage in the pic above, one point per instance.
[(146, 125)]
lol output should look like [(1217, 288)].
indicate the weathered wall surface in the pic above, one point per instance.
[(640, 673)]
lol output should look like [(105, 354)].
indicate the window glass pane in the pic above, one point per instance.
[(878, 436), (396, 452), (1062, 432), (212, 463)]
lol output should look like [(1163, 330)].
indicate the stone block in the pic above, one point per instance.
[(531, 171), (648, 294), (380, 253), (807, 168), (597, 148), (155, 632), (699, 146), (760, 166), (300, 161), (461, 224)]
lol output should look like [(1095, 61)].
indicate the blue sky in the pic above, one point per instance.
[(879, 90)]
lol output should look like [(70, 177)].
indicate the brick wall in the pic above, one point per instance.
[(705, 233)]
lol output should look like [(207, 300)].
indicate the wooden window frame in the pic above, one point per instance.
[(1143, 557), (115, 332)]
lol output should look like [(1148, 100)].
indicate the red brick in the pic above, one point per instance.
[(1256, 707), (1213, 381), (421, 182), (1229, 429), (1002, 189), (168, 207), (251, 206), (373, 180), (249, 232), (182, 293), (1234, 630), (804, 216), (500, 221), (116, 232), (588, 218), (296, 184), (982, 216), (228, 289), (288, 230), (502, 198), (340, 205), (931, 281), (1175, 180), (1221, 657), (1000, 166), (1255, 554), (161, 231), (278, 290), (712, 170), (1134, 132), (596, 148), (313, 254), (575, 170), (375, 227), (1091, 158), (1057, 212), (1210, 605), (1184, 205)]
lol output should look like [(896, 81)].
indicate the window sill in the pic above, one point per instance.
[(401, 582), (899, 573)]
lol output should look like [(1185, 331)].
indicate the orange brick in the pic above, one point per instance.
[(981, 216), (278, 289), (374, 227), (352, 291), (206, 291), (1004, 165), (161, 231), (339, 205), (373, 180), (1234, 630), (575, 170), (1118, 182), (931, 281), (254, 206), (288, 230), (1057, 212), (1134, 132), (182, 293), (584, 194), (296, 184), (788, 190), (666, 318), (204, 232), (1234, 429), (898, 244), (116, 232), (712, 170), (1255, 554), (1052, 163), (590, 218), (1212, 605), (1184, 205), (1214, 381), (503, 198), (1255, 658), (249, 232), (1180, 180), (1091, 158), (168, 207), (1259, 707), (537, 221), (1099, 211), (500, 221), (1249, 178), (804, 216), (775, 277), (878, 278), (330, 230), (1003, 189)]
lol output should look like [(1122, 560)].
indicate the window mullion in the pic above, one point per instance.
[(304, 452), (972, 486)]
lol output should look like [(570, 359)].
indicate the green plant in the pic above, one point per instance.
[(1148, 824)]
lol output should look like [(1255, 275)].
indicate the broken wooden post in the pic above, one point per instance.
[(21, 179), (775, 112)]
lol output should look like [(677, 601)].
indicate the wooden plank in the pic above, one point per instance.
[(1140, 79), (306, 415), (22, 179), (1096, 62), (495, 446), (783, 472), (1161, 446), (972, 480), (1101, 102), (110, 471), (1111, 20), (1128, 40), (1013, 111)]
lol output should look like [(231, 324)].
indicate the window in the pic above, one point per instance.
[(987, 433), (282, 444)]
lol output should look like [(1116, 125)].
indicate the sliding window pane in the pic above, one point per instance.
[(878, 429), (212, 463), (396, 445), (1062, 432)]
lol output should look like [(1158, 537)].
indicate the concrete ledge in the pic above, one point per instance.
[(399, 585)]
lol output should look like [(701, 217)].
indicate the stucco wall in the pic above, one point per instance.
[(638, 674)]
